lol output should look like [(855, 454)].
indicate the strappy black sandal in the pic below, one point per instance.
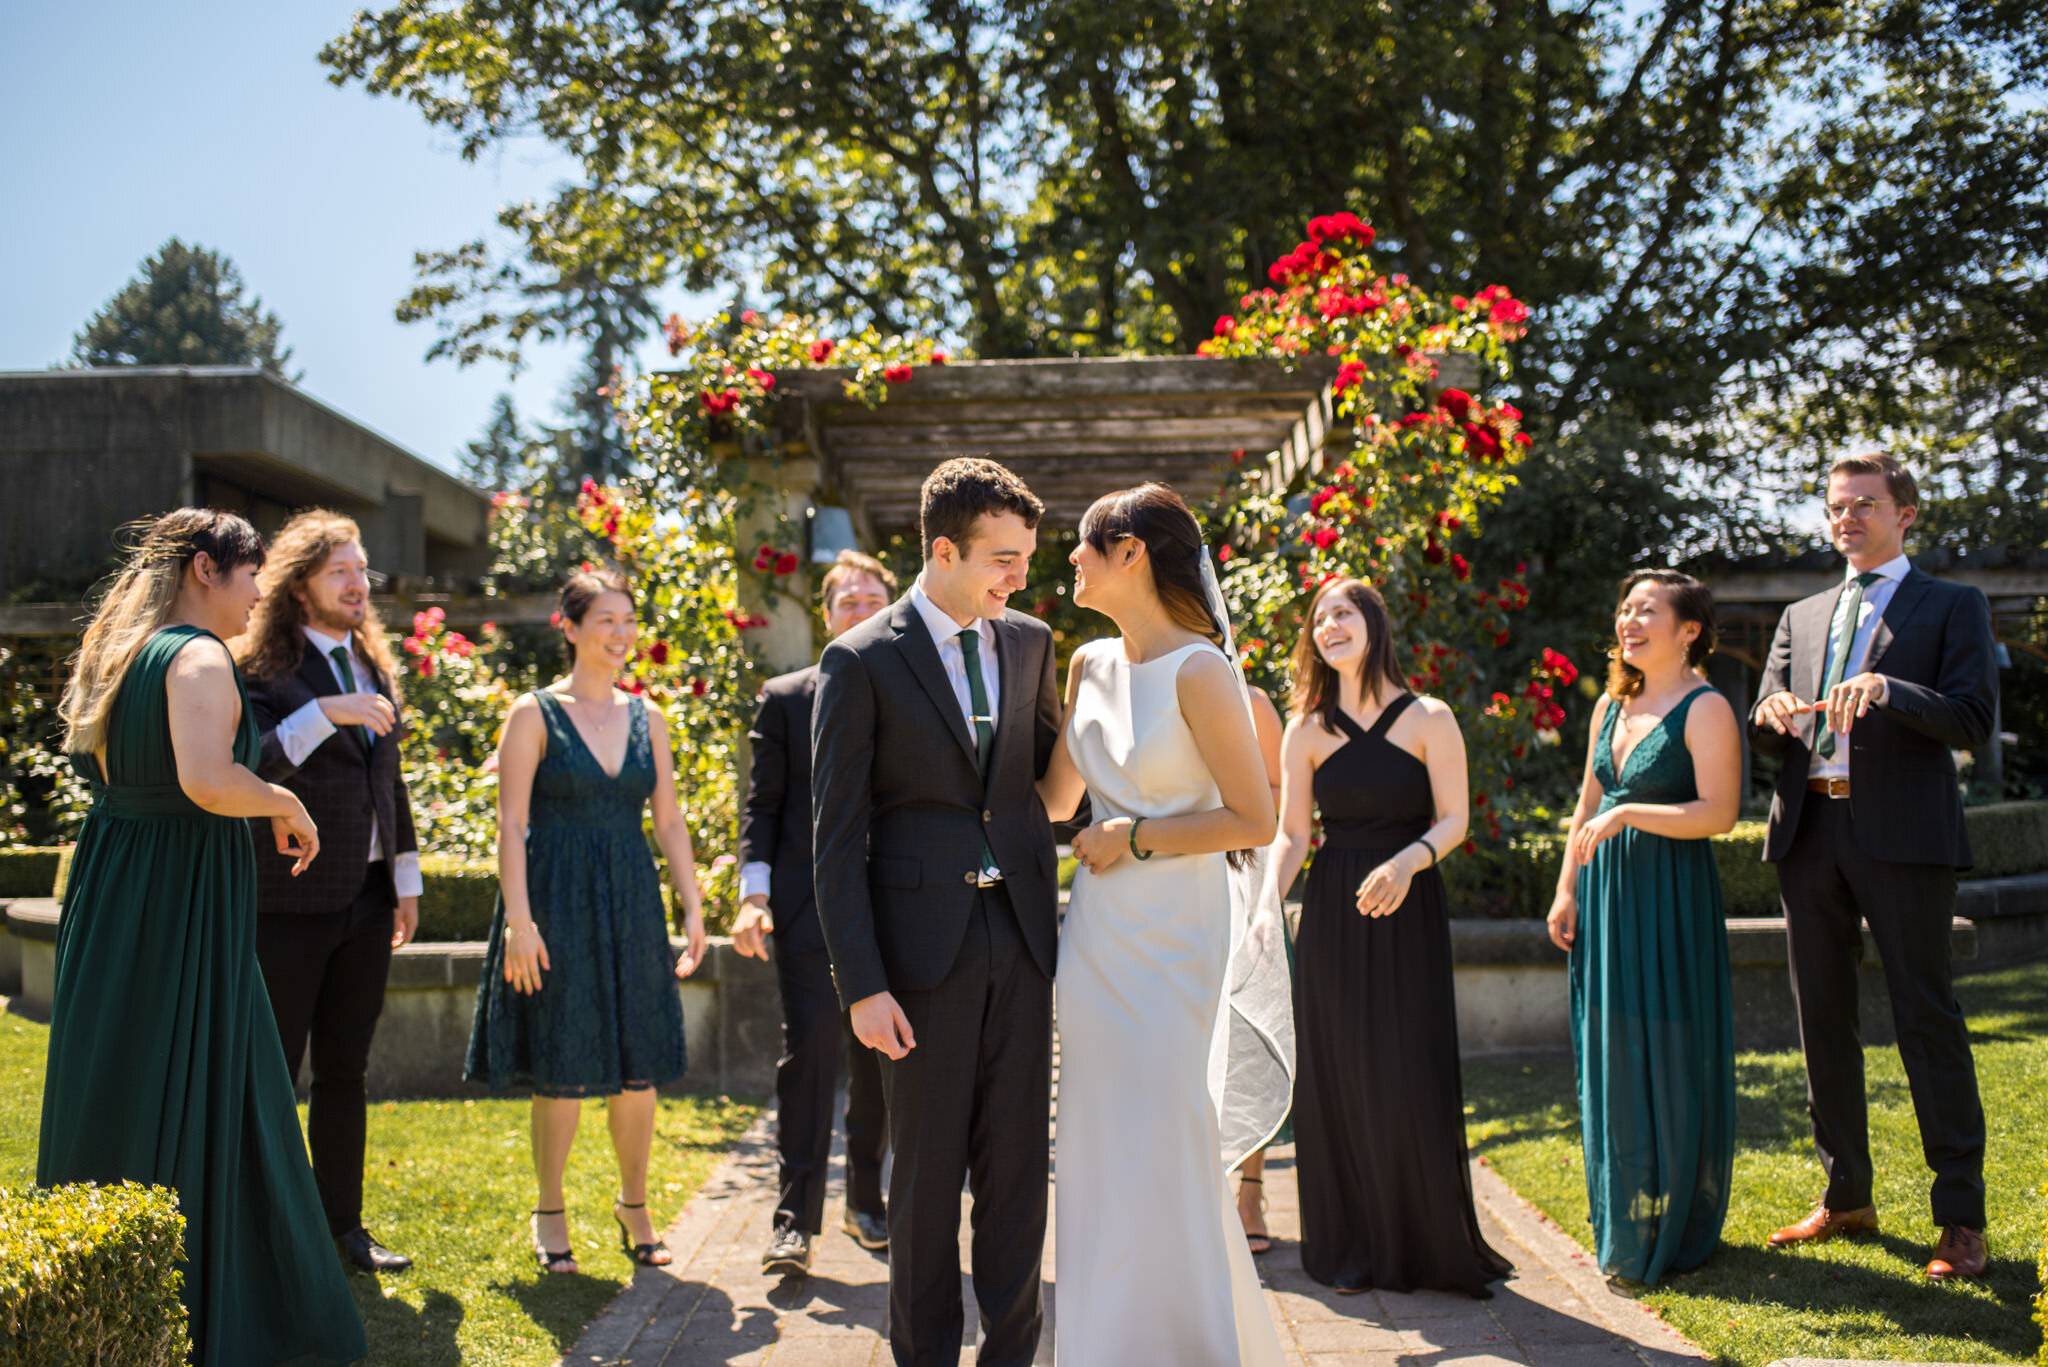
[(551, 1262), (655, 1254), (1262, 1241)]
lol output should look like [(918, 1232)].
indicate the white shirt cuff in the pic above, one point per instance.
[(301, 733), (753, 880), (405, 875)]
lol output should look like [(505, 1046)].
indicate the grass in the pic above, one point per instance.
[(1847, 1299), (450, 1183)]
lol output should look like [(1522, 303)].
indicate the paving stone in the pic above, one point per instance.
[(1332, 1336)]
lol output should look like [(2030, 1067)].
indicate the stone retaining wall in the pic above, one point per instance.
[(1511, 984)]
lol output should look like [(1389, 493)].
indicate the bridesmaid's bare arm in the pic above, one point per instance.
[(205, 709)]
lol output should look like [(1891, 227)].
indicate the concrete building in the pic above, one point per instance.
[(83, 452)]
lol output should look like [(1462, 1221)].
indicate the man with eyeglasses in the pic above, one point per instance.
[(1869, 687)]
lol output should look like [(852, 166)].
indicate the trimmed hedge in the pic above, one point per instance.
[(90, 1275), (28, 872), (459, 898), (2007, 839)]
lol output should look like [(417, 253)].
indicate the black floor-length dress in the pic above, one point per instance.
[(1379, 1124)]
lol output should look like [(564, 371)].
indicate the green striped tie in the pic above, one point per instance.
[(1848, 615), (348, 683)]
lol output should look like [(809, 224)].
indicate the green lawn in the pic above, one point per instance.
[(450, 1183), (1846, 1299)]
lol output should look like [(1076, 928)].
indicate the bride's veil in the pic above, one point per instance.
[(1251, 1057)]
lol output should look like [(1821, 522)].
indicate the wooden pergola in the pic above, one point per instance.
[(1073, 429)]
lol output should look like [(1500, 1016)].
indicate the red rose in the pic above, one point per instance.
[(1460, 302), (422, 624), (1321, 499), (658, 652), (764, 559), (938, 358), (749, 317), (1432, 552), (1482, 441), (426, 666), (1461, 567), (1237, 456), (1507, 312), (1479, 799), (896, 374), (1349, 374), (698, 688), (719, 401), (1223, 554), (786, 563), (1522, 439), (1225, 325), (761, 378), (821, 351), (611, 526), (1455, 402), (1325, 537)]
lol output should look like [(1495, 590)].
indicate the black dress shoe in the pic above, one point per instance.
[(871, 1232), (365, 1254), (788, 1251)]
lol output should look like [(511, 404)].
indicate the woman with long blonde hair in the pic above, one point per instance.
[(164, 1062)]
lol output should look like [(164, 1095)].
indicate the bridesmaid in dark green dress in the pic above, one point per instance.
[(1639, 909), (164, 1064), (578, 995)]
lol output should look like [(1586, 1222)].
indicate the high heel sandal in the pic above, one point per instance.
[(1261, 1241), (550, 1261), (643, 1254)]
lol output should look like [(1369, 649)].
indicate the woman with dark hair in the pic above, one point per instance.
[(165, 1065), (1379, 1106), (1159, 733), (578, 995), (1639, 910)]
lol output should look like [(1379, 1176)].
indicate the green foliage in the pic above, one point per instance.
[(90, 1275), (2009, 839), (1860, 1299), (459, 897), (28, 872), (185, 308), (42, 799)]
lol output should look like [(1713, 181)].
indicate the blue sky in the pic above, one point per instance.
[(128, 123)]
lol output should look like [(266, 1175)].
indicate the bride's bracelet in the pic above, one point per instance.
[(1137, 853)]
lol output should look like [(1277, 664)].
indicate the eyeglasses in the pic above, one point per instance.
[(1858, 508)]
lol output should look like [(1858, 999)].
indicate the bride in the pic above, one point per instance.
[(1150, 1265)]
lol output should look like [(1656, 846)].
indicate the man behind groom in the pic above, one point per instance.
[(936, 887), (1868, 688)]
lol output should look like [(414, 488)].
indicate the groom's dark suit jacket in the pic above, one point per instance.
[(901, 809), (1935, 647)]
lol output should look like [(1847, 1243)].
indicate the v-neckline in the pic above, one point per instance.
[(1620, 766), (625, 755)]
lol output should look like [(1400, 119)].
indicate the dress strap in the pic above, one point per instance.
[(1351, 729), (1390, 714), (1676, 716)]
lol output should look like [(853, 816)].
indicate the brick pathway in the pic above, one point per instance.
[(712, 1307)]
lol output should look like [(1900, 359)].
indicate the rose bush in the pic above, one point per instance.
[(1418, 470)]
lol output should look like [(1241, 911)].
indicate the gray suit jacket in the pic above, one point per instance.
[(1935, 648), (901, 809)]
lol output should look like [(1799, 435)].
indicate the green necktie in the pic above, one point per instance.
[(1848, 615), (348, 683), (984, 723)]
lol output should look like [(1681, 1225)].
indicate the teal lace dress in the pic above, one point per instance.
[(607, 1017), (1652, 1026)]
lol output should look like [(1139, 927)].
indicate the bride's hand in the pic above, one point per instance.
[(1103, 843)]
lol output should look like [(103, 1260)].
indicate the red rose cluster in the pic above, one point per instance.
[(770, 561), (596, 510)]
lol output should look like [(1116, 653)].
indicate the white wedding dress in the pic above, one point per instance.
[(1151, 1265)]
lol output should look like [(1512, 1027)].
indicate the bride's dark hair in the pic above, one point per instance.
[(1154, 514)]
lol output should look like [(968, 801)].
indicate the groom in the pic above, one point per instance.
[(936, 890)]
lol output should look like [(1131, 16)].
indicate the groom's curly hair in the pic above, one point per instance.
[(961, 490)]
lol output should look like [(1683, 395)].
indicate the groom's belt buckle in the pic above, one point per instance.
[(1831, 787)]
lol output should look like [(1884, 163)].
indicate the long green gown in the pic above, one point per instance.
[(1653, 1028), (165, 1064)]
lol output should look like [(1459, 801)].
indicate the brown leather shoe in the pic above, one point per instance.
[(1960, 1253), (1825, 1224)]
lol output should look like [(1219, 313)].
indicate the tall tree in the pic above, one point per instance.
[(1721, 212), (185, 307)]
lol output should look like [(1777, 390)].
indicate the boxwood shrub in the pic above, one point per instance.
[(89, 1275), (28, 872)]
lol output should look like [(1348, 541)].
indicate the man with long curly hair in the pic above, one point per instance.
[(323, 686)]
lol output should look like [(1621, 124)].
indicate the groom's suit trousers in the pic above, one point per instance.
[(971, 1100)]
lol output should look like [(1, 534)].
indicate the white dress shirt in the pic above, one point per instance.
[(1876, 599), (302, 732)]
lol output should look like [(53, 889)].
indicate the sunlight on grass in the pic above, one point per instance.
[(1847, 1299), (450, 1183)]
